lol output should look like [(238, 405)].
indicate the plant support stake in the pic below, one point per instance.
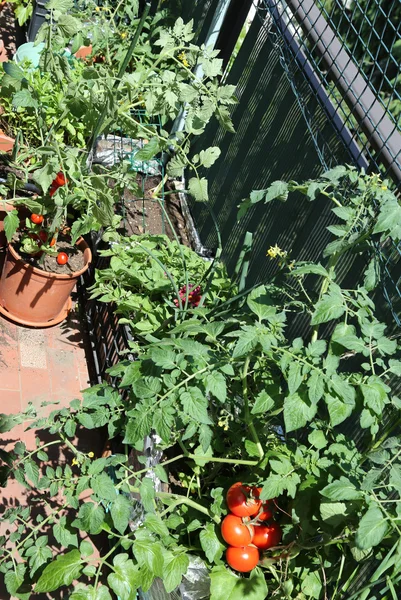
[(120, 74)]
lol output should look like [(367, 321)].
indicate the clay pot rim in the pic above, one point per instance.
[(6, 206), (48, 274)]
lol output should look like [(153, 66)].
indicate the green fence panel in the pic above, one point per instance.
[(271, 142), (202, 12)]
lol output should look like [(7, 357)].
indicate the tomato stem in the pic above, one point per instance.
[(248, 418)]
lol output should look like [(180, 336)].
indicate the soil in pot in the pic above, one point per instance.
[(142, 214), (48, 263)]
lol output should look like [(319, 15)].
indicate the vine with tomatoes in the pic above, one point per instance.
[(256, 479)]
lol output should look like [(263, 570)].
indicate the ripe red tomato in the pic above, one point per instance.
[(62, 258), (267, 507), (242, 559), (43, 236), (267, 536), (60, 179), (37, 219), (241, 500), (235, 532)]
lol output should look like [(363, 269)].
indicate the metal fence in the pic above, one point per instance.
[(318, 85)]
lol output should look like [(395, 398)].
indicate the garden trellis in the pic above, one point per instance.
[(318, 80)]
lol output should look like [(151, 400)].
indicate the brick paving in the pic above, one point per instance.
[(41, 365), (37, 366)]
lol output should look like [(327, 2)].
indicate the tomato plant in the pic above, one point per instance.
[(242, 559), (236, 532)]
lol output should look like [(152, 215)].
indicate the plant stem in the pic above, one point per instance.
[(184, 500), (324, 287), (248, 418)]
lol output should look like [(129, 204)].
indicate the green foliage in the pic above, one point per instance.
[(216, 376), (144, 280)]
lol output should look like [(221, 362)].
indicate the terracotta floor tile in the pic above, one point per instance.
[(8, 333), (64, 373), (9, 368), (35, 387), (10, 401)]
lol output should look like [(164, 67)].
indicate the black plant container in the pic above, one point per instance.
[(38, 18)]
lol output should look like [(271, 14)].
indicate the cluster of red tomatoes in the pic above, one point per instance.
[(42, 237), (58, 182), (248, 528)]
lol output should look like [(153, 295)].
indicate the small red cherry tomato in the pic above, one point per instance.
[(242, 559), (267, 536), (235, 532), (60, 179), (36, 219), (43, 236), (62, 258), (241, 500)]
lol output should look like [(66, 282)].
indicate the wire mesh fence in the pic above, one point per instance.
[(348, 54)]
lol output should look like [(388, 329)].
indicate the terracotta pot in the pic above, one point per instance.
[(6, 143), (4, 209), (83, 52), (37, 298)]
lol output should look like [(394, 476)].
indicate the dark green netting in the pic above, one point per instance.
[(271, 142)]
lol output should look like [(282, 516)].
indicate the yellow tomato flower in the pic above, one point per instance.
[(123, 35), (91, 454), (384, 187), (275, 251), (183, 58), (74, 462), (97, 9)]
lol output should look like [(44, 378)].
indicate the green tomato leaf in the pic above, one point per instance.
[(91, 518), (120, 512), (148, 553), (216, 384), (312, 585), (104, 487), (338, 411), (174, 568), (11, 222), (297, 412), (342, 489), (372, 528), (263, 403), (198, 188), (331, 306), (147, 492), (195, 405), (60, 572), (24, 99), (125, 579), (210, 543), (317, 439), (148, 151), (209, 156), (63, 536)]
